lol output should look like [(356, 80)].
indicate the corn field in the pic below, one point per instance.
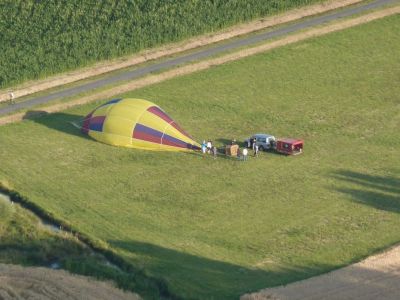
[(40, 38)]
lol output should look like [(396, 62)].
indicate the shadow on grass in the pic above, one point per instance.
[(381, 192), (193, 277), (225, 142), (58, 121)]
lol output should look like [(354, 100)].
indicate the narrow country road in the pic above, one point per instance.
[(201, 54)]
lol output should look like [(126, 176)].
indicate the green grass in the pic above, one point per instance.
[(26, 240), (219, 228), (40, 39)]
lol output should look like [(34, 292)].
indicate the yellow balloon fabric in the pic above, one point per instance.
[(137, 123)]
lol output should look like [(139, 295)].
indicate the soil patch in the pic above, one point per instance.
[(377, 277)]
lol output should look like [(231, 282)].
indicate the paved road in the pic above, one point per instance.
[(201, 54)]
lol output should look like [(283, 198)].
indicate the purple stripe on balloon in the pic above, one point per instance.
[(90, 123), (174, 140), (96, 123), (148, 134), (147, 130), (96, 127)]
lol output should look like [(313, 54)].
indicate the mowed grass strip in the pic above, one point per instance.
[(219, 228)]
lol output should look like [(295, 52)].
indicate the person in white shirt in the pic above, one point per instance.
[(209, 146), (11, 97), (256, 150), (245, 152)]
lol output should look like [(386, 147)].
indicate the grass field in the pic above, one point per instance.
[(26, 240), (219, 228)]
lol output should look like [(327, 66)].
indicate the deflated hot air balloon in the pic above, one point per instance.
[(136, 123)]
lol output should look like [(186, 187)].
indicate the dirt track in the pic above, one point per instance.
[(129, 61), (377, 277), (40, 283)]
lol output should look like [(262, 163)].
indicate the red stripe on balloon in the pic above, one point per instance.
[(158, 112), (174, 144), (177, 127), (86, 122), (146, 137)]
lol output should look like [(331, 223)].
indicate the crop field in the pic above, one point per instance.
[(215, 229), (43, 38)]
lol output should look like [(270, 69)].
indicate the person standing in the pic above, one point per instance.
[(11, 97), (214, 152), (209, 146), (254, 144), (204, 147), (245, 152), (238, 153), (255, 150)]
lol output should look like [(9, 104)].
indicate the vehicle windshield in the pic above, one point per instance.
[(261, 140)]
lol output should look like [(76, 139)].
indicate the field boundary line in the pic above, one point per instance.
[(100, 68), (185, 70)]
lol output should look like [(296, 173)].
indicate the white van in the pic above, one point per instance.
[(264, 141)]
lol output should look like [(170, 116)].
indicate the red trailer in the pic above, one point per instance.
[(289, 146)]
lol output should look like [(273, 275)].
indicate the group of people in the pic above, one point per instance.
[(245, 152), (252, 143), (209, 148)]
